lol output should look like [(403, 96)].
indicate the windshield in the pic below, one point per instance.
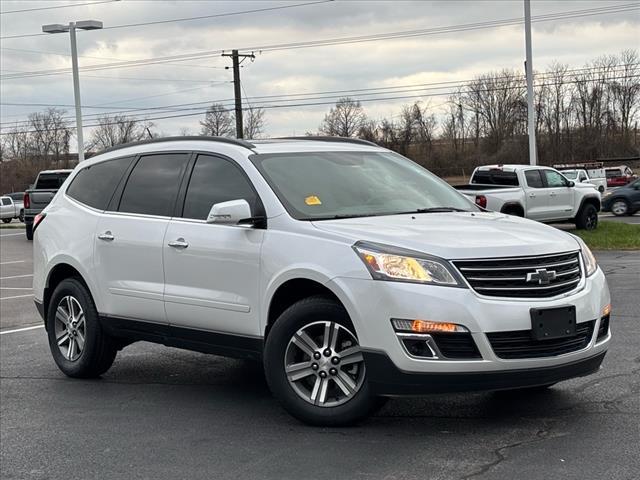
[(325, 185), (570, 174)]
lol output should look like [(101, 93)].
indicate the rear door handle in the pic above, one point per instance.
[(179, 243), (107, 236), (553, 194)]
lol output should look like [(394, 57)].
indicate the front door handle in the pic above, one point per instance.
[(107, 236), (532, 195), (179, 243)]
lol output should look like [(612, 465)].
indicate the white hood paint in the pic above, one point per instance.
[(456, 235)]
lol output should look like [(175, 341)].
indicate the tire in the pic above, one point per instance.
[(308, 321), (29, 231), (601, 189), (87, 352), (7, 220), (587, 218), (21, 216), (620, 207)]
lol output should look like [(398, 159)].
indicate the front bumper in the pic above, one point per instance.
[(372, 304), (385, 378)]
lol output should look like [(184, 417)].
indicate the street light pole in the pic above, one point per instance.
[(528, 66), (71, 28), (76, 91)]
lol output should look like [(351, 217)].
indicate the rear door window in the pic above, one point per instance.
[(95, 184), (153, 184), (216, 180), (534, 179)]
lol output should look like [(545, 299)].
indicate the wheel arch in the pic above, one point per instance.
[(513, 207), (293, 288), (59, 272), (591, 200)]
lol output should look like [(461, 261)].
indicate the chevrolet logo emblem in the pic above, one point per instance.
[(541, 276)]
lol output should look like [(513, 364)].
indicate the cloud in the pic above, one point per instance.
[(425, 59)]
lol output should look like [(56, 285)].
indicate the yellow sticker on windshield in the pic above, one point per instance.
[(312, 200)]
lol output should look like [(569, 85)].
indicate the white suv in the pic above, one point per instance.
[(351, 271)]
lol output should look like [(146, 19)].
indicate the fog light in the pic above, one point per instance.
[(426, 326), (606, 310)]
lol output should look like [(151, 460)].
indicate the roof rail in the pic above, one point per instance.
[(357, 141), (231, 141)]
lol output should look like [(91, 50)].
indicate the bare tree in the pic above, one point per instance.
[(49, 134), (117, 130), (254, 122), (626, 90), (498, 97), (343, 120), (218, 122)]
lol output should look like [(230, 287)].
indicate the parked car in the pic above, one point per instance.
[(538, 193), (619, 176), (8, 209), (37, 198), (582, 176), (17, 198), (351, 271), (623, 201), (595, 173)]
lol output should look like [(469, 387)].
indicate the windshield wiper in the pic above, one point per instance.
[(433, 210)]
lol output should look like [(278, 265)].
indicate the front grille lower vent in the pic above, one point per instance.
[(521, 344), (524, 277)]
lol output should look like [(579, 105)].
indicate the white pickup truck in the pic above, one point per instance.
[(538, 193), (592, 173), (9, 210)]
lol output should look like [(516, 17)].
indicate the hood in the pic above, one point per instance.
[(455, 235)]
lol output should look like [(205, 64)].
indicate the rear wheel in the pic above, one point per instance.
[(601, 189), (29, 231), (587, 218), (6, 220), (21, 216), (79, 346), (620, 207), (314, 364)]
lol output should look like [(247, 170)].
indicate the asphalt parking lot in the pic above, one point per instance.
[(165, 413)]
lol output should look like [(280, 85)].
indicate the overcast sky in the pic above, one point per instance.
[(415, 60)]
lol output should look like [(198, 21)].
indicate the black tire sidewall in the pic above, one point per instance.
[(29, 231), (87, 364), (294, 318), (584, 214)]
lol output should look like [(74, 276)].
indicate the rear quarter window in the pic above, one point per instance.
[(495, 177), (95, 184)]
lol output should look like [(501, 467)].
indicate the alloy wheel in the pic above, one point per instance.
[(619, 207), (324, 364), (70, 328), (592, 221)]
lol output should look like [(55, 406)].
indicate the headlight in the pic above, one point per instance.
[(590, 263), (389, 263)]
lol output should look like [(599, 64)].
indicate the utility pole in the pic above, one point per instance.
[(237, 88), (528, 66)]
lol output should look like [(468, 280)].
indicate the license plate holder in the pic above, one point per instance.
[(556, 322)]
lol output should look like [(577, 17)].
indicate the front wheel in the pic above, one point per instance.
[(6, 220), (587, 218), (314, 364)]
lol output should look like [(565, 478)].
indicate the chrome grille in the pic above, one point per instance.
[(525, 277)]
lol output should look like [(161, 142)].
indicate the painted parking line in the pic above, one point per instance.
[(17, 276), (14, 261), (16, 330), (15, 288), (16, 296)]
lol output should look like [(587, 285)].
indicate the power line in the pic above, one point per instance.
[(186, 19), (450, 84), (304, 103), (339, 41), (56, 7)]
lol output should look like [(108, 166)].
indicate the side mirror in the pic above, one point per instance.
[(571, 184), (229, 213)]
